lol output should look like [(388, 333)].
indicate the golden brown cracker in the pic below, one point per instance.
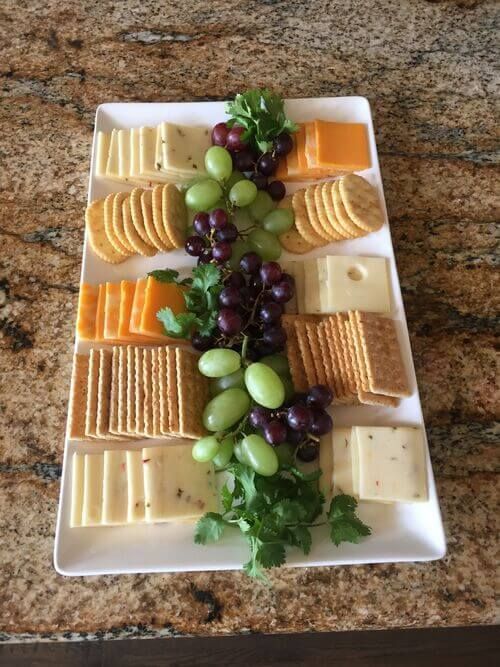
[(131, 407), (192, 394), (108, 226), (147, 364), (316, 351), (147, 216), (326, 360), (297, 370), (312, 213), (348, 366), (139, 391), (139, 246), (361, 202), (305, 352), (172, 402), (103, 396), (333, 346), (174, 214), (326, 195), (157, 204), (137, 216), (114, 391), (324, 221), (118, 226), (342, 216), (98, 239), (78, 397), (302, 222), (163, 387), (156, 391), (92, 392), (339, 353), (293, 242)]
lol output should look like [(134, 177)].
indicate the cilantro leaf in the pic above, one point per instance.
[(226, 498), (207, 322), (209, 528), (289, 511), (300, 536), (195, 300), (345, 525), (206, 276), (271, 554), (176, 326), (164, 275)]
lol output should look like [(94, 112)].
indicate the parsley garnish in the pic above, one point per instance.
[(201, 301), (261, 113), (275, 512)]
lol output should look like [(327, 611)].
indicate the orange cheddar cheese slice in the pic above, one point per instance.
[(99, 318), (137, 305), (342, 147), (111, 311), (127, 294), (87, 311), (157, 296)]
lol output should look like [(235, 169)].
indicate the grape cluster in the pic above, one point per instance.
[(299, 422), (259, 167)]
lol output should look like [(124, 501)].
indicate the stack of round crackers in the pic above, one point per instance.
[(142, 222), (332, 211)]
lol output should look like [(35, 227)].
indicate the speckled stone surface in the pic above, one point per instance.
[(428, 70)]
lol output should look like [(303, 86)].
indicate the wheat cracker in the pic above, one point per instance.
[(131, 407), (163, 390), (139, 391), (114, 391), (305, 351), (316, 351), (172, 401), (147, 364), (192, 395), (156, 391), (77, 407), (297, 370)]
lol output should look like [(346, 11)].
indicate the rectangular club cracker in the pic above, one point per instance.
[(305, 352), (384, 364), (172, 402), (328, 363), (349, 370), (339, 353), (192, 394), (335, 363), (92, 391), (147, 364), (139, 391), (131, 390), (316, 351), (103, 395), (78, 397), (114, 391), (156, 391), (163, 390), (297, 369)]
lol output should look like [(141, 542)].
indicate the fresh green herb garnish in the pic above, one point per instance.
[(201, 301), (276, 512), (261, 113)]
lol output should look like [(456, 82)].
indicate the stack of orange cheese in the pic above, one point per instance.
[(125, 312), (324, 148)]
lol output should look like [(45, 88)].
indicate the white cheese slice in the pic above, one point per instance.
[(342, 461), (92, 490), (323, 284), (124, 154), (77, 480), (183, 148), (102, 153), (135, 480), (326, 465), (358, 283), (311, 287), (114, 495), (177, 487), (355, 462), (300, 287), (112, 171), (147, 153), (135, 157), (392, 464)]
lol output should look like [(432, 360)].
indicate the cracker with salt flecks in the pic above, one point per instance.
[(384, 363), (302, 222), (103, 396), (163, 390), (172, 401), (174, 214), (147, 364), (77, 408), (157, 204), (305, 351), (137, 217), (108, 226), (114, 391), (327, 196), (316, 351), (337, 352), (361, 202), (139, 246), (98, 239), (131, 407), (147, 216), (156, 391), (348, 366), (118, 227), (327, 361), (342, 216), (324, 221), (297, 370), (312, 213), (139, 391), (192, 394)]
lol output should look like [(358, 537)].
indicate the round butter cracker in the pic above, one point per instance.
[(361, 202), (323, 216), (312, 213), (118, 221), (108, 226), (342, 216), (147, 216), (133, 237), (174, 214), (302, 222), (98, 239)]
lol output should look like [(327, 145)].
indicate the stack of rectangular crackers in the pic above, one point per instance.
[(356, 354), (137, 392)]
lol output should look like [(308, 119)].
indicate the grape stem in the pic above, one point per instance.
[(244, 347)]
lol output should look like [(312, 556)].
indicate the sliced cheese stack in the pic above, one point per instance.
[(375, 463), (154, 484), (324, 148), (168, 153)]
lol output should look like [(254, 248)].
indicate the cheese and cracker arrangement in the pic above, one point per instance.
[(222, 383)]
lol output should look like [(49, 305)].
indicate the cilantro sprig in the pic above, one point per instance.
[(261, 113), (277, 512), (201, 300)]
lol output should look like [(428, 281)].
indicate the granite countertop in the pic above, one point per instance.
[(428, 71)]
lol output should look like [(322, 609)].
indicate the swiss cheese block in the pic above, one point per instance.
[(159, 295), (184, 148), (115, 489), (392, 464), (111, 311), (102, 151), (135, 481), (177, 487), (87, 311), (323, 284), (342, 461), (77, 481), (357, 283), (92, 489), (112, 165), (342, 146), (311, 286)]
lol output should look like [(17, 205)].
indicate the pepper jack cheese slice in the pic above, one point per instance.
[(92, 489), (177, 487), (392, 464), (115, 488), (77, 478), (356, 283), (342, 461), (135, 480), (184, 148), (102, 151), (342, 146), (112, 165)]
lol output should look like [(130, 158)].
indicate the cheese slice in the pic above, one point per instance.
[(342, 461), (184, 148), (137, 305), (159, 295), (149, 168), (124, 154), (115, 488), (92, 489), (177, 487), (100, 313), (392, 464), (102, 153), (112, 165), (323, 284), (135, 158), (311, 287), (111, 311), (77, 481), (357, 283), (355, 462), (87, 312), (342, 146), (135, 482)]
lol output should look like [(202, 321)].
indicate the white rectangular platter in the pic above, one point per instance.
[(400, 532)]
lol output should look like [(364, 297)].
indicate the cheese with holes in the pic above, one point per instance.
[(92, 489), (356, 283), (77, 479), (135, 481), (176, 487), (87, 312), (102, 152), (115, 488), (311, 286), (341, 146), (323, 284), (392, 464), (184, 148), (159, 295), (111, 311)]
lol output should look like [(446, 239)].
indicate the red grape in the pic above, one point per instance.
[(270, 313), (250, 262), (308, 452), (205, 257), (228, 233), (222, 251), (267, 164), (295, 437), (283, 144), (201, 343), (194, 246), (321, 422), (287, 278), (234, 142), (260, 180), (277, 190), (259, 417), (275, 336), (230, 297), (218, 218), (270, 272), (201, 224), (299, 417), (282, 291), (219, 134), (255, 286), (243, 160), (229, 321), (275, 432), (319, 396), (235, 279)]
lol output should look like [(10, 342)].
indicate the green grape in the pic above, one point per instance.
[(278, 221), (236, 379), (261, 205), (265, 244), (218, 362), (226, 409), (289, 388), (278, 362), (239, 453), (239, 248), (242, 218), (203, 195), (243, 193), (264, 385), (259, 455), (223, 456), (284, 453), (205, 449), (235, 177), (218, 163)]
